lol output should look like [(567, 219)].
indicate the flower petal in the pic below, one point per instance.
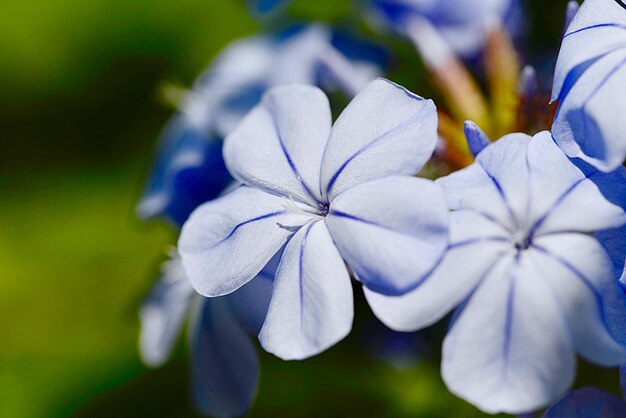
[(477, 140), (597, 28), (188, 171), (391, 232), (581, 208), (506, 165), (385, 130), (472, 189), (580, 274), (251, 301), (312, 306), (278, 146), (552, 174), (587, 403), (462, 269), (225, 362), (163, 314), (614, 243), (226, 242), (509, 350), (588, 123)]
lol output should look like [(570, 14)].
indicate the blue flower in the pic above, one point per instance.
[(336, 195), (588, 83), (189, 168), (587, 403), (462, 23), (223, 353), (534, 286)]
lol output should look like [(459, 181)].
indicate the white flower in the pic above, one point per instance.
[(535, 287), (340, 194)]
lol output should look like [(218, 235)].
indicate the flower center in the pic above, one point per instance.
[(524, 242), (324, 208)]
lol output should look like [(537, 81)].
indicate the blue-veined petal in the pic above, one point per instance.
[(472, 189), (581, 207), (391, 232), (226, 242), (505, 162), (385, 130), (598, 28), (587, 403), (224, 358), (312, 307), (278, 146), (588, 123), (552, 175), (587, 83), (581, 276), (163, 313), (469, 258), (510, 348)]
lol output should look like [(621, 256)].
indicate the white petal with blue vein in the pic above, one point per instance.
[(391, 232), (226, 242), (312, 307), (385, 130), (510, 349), (278, 146)]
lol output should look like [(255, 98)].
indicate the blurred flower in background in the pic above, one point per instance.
[(189, 168)]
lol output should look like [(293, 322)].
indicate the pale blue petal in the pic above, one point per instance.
[(251, 301), (392, 232), (278, 146), (614, 242), (570, 12), (470, 257), (563, 197), (505, 162), (461, 22), (580, 274), (587, 83), (385, 130), (510, 349), (163, 314), (588, 123), (552, 176), (597, 29), (476, 138), (300, 56), (473, 189), (226, 242), (225, 363), (312, 305), (587, 403), (613, 188)]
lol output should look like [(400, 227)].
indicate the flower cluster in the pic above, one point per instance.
[(282, 212)]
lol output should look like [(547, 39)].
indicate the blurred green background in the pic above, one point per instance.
[(79, 115)]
